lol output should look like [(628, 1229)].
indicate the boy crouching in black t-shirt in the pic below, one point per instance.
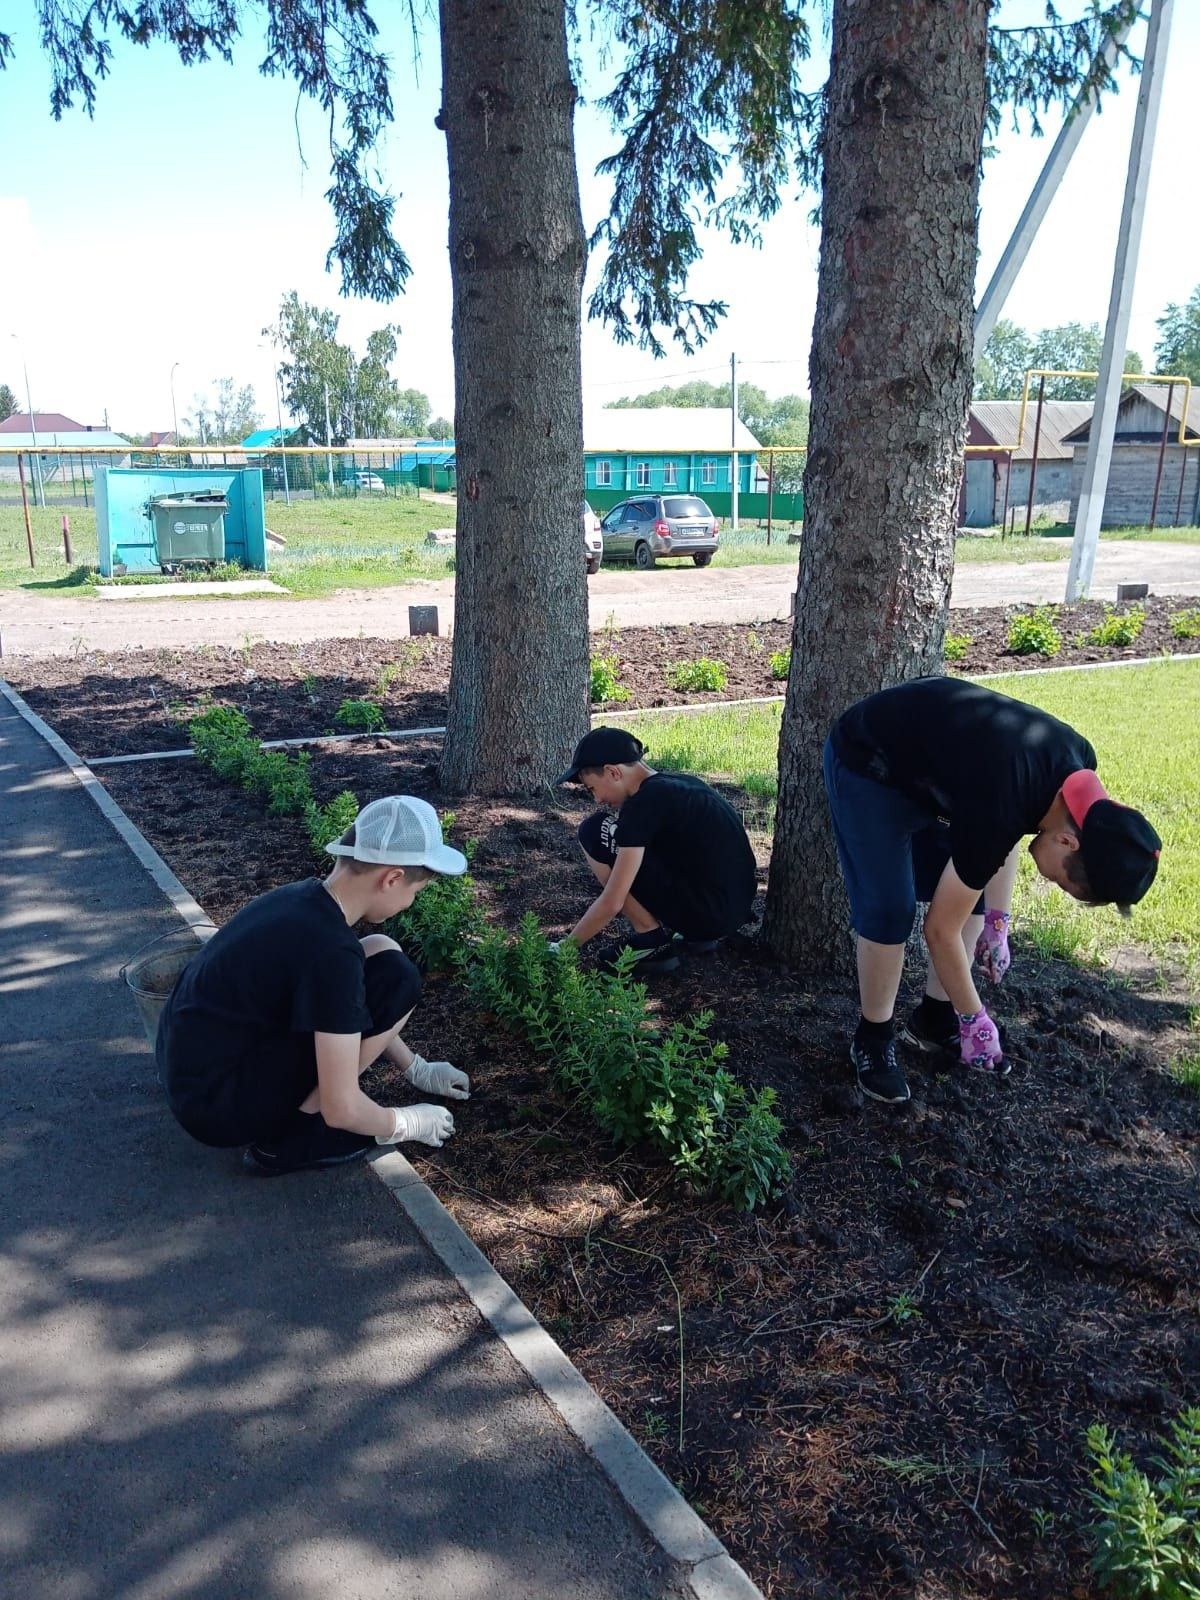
[(675, 858), (267, 1031)]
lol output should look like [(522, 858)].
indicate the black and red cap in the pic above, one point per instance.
[(603, 747), (1119, 847)]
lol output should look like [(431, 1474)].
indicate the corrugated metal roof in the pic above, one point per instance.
[(1155, 394), (43, 421), (264, 438), (66, 443), (663, 430), (1002, 418)]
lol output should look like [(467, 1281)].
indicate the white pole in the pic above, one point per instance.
[(174, 412), (1043, 192), (287, 495), (1116, 333), (733, 459), (37, 460)]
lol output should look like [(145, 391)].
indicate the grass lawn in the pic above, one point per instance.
[(353, 543), (1145, 725)]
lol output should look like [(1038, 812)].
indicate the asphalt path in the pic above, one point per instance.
[(33, 624)]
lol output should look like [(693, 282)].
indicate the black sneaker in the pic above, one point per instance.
[(309, 1142), (917, 1033), (654, 952), (878, 1071), (700, 947)]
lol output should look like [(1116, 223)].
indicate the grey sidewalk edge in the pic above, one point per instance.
[(649, 1494)]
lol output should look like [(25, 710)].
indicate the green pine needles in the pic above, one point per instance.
[(668, 1087)]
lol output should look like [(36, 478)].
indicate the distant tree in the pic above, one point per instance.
[(1075, 346), (695, 393), (439, 428), (1000, 371), (781, 420), (363, 398), (1178, 347), (234, 412), (8, 402), (412, 413)]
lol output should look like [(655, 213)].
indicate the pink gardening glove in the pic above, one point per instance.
[(979, 1042), (991, 948)]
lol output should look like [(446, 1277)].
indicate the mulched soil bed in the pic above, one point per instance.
[(887, 1376), (117, 704)]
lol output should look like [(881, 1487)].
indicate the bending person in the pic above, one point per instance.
[(668, 852), (931, 786), (264, 1038)]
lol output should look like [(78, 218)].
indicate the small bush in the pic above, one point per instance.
[(955, 646), (324, 824), (366, 715), (696, 677), (781, 663), (1118, 628), (669, 1087), (442, 926), (1147, 1534), (1034, 633), (1186, 624), (605, 683)]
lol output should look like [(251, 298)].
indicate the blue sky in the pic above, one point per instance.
[(166, 231)]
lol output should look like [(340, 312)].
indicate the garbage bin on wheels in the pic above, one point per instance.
[(188, 528)]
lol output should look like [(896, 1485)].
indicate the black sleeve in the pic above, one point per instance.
[(330, 996), (979, 847), (638, 821)]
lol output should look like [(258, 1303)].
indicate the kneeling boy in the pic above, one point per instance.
[(264, 1036), (675, 858)]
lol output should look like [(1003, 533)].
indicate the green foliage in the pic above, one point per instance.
[(1034, 633), (1118, 628), (442, 926), (781, 663), (361, 714), (1072, 347), (1147, 1533), (606, 685), (701, 676), (1186, 624), (955, 646), (324, 824), (1178, 347), (668, 1087), (364, 399)]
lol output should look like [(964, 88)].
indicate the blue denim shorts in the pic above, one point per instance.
[(893, 851)]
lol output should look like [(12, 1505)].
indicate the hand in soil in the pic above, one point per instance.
[(438, 1077), (979, 1042), (431, 1125)]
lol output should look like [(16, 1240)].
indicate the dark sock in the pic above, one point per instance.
[(872, 1032), (937, 1016)]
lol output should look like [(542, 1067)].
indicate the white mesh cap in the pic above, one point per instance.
[(401, 831)]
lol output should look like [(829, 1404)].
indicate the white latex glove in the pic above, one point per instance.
[(423, 1124), (552, 945), (438, 1077)]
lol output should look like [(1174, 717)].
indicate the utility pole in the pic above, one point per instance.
[(1116, 333), (287, 496), (733, 459), (328, 444), (1015, 251), (39, 485)]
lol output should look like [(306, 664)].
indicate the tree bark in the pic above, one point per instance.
[(891, 374), (518, 680)]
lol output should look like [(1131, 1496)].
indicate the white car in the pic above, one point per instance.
[(367, 482), (593, 540)]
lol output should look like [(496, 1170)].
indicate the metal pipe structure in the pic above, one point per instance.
[(734, 470), (1162, 451), (1116, 333), (25, 508)]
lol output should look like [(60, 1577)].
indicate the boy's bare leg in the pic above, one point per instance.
[(880, 967), (972, 928), (641, 920)]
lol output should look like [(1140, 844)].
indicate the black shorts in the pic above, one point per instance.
[(255, 1091), (673, 901)]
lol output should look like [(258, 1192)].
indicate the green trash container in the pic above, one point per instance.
[(189, 527)]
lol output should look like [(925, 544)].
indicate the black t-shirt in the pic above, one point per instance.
[(698, 839), (988, 764), (287, 963)]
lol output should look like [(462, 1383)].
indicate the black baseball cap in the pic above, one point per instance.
[(603, 747), (1119, 847)]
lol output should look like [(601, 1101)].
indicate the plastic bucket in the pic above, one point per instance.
[(155, 969)]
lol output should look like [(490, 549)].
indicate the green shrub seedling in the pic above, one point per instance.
[(606, 685), (1147, 1533), (1118, 628), (955, 646), (1034, 633), (365, 715), (704, 676), (781, 663), (1186, 624)]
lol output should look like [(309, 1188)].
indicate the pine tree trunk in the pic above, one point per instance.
[(891, 383), (518, 681)]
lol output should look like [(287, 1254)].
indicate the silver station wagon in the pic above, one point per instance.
[(661, 527)]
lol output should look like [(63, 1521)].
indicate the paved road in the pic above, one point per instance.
[(219, 1387), (31, 624)]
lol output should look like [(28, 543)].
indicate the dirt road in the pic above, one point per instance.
[(31, 624)]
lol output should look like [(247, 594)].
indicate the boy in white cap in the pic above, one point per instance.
[(265, 1035)]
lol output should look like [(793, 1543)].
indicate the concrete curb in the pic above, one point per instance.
[(655, 1502)]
